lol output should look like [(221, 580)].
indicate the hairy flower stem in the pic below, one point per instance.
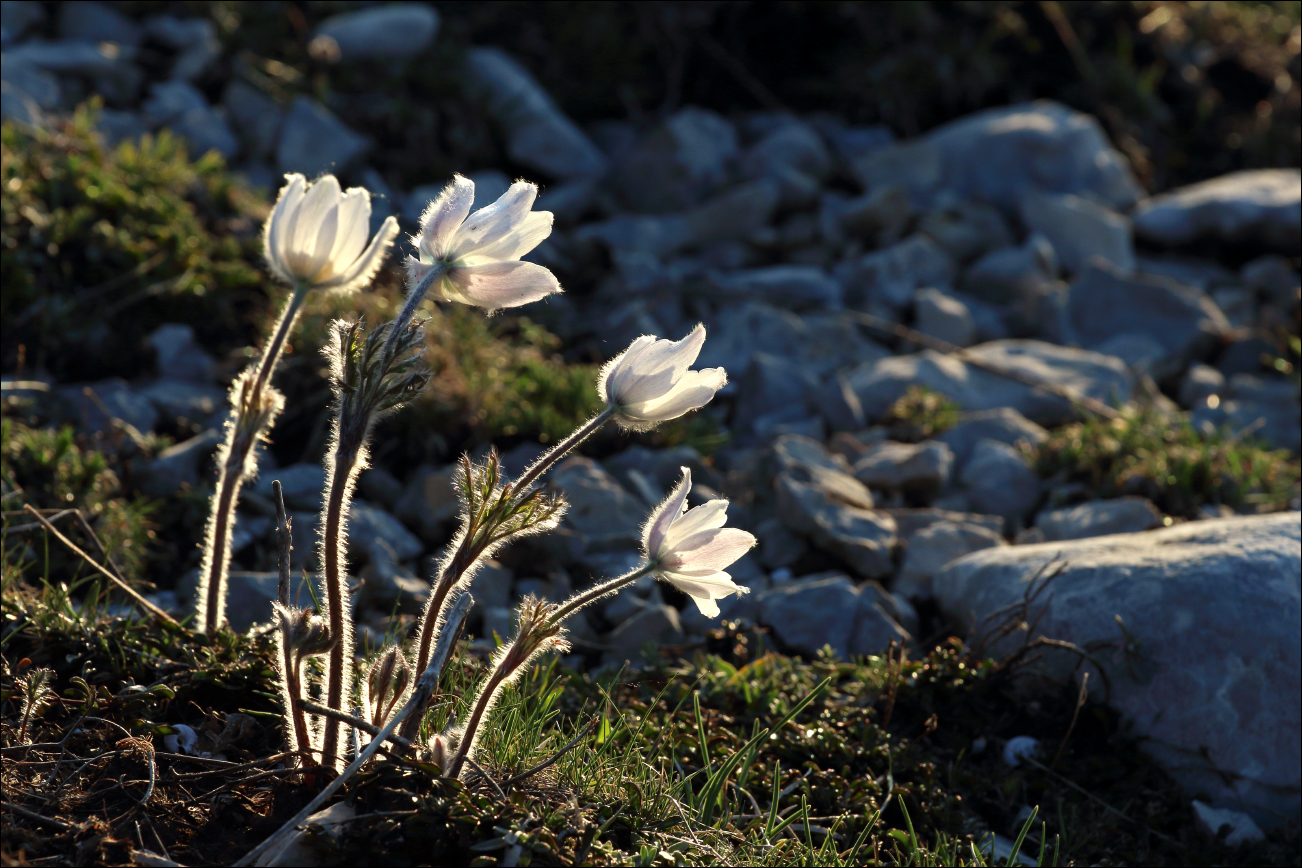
[(486, 699), (343, 471), (414, 298), (252, 415), (585, 598), (453, 570)]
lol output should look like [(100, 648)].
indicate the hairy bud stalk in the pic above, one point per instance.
[(536, 632), (370, 377), (386, 685)]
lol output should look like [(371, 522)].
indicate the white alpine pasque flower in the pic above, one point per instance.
[(689, 548), (316, 235), (478, 255), (650, 382)]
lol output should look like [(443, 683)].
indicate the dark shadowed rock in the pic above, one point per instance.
[(1003, 424), (933, 548), (828, 609), (998, 481), (313, 140), (382, 32), (1079, 229), (1099, 518)]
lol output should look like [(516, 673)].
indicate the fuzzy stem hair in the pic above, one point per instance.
[(255, 406)]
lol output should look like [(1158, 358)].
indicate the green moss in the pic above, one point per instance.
[(99, 246), (920, 415), (46, 468), (1171, 463)]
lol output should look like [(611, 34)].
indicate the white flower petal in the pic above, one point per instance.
[(492, 222), (664, 515), (274, 233), (707, 516), (706, 550), (615, 373), (704, 590), (364, 267), (661, 367), (531, 231), (496, 285), (354, 227), (304, 231), (444, 216), (694, 390)]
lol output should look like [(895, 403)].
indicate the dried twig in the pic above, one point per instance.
[(1094, 406), (548, 763), (425, 688), (483, 774), (130, 591), (38, 818), (351, 720)]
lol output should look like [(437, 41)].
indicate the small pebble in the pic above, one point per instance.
[(1019, 748)]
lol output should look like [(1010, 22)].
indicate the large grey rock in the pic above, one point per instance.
[(805, 460), (177, 465), (302, 485), (828, 609), (943, 316), (769, 384), (1104, 303), (792, 144), (429, 503), (1099, 518), (1141, 352), (598, 505), (256, 117), (683, 159), (880, 384), (655, 623), (31, 82), (1079, 229), (891, 276), (370, 526), (862, 538), (965, 229), (194, 40), (1259, 207), (1013, 274), (1266, 410), (17, 17), (380, 32), (998, 481), (996, 155), (879, 217), (313, 140), (538, 134), (180, 402), (109, 67), (914, 467), (909, 522), (933, 548), (1004, 424), (731, 215), (206, 129), (795, 287), (178, 356), (95, 22), (823, 341), (108, 400), (1206, 661)]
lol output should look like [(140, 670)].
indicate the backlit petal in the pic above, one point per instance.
[(354, 227), (496, 285), (291, 195), (694, 390), (616, 373), (443, 217), (707, 516), (708, 550), (364, 267), (492, 222), (664, 515), (532, 231)]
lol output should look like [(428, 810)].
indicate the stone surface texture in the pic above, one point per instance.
[(1208, 653)]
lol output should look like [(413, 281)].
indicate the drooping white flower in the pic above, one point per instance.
[(650, 382), (479, 255), (316, 235), (689, 548)]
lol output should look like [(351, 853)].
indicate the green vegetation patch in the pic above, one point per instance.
[(1170, 462), (47, 469), (920, 414), (99, 246)]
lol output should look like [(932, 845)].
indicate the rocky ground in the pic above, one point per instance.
[(973, 371)]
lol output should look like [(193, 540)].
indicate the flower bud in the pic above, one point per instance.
[(650, 382), (385, 683)]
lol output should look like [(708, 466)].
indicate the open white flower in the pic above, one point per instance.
[(316, 235), (478, 256), (689, 549), (650, 382)]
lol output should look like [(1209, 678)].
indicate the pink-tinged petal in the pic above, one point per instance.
[(274, 232), (444, 216), (664, 515), (492, 222), (416, 271), (707, 516), (496, 285), (615, 374), (354, 227), (693, 391), (708, 550), (531, 232), (365, 266)]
